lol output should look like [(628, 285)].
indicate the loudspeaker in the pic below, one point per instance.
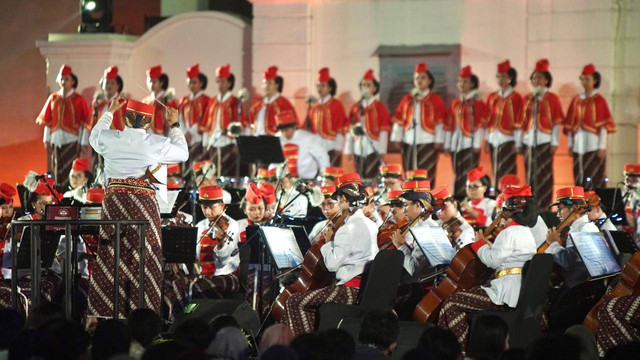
[(208, 310)]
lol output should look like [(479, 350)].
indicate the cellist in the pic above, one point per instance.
[(329, 209), (512, 247), (346, 253)]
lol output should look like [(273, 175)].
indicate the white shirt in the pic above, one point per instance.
[(61, 137), (312, 157), (540, 137), (496, 137), (364, 145), (314, 235), (512, 248), (583, 141), (128, 153), (224, 259), (79, 194), (262, 115), (398, 132), (328, 144), (487, 205), (467, 236), (414, 260), (297, 207), (457, 141), (539, 231), (217, 139), (193, 129), (354, 245)]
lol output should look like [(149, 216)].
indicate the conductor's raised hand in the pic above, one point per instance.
[(117, 104), (171, 116)]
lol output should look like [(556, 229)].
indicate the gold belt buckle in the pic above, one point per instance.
[(508, 271)]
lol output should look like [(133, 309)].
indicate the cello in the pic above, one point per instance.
[(314, 274), (465, 271), (629, 284)]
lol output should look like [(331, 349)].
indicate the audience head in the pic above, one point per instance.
[(110, 338), (277, 334), (310, 347), (440, 343), (45, 313), (193, 333), (489, 338), (61, 339), (229, 344), (144, 325), (221, 322), (168, 350), (342, 345), (380, 328)]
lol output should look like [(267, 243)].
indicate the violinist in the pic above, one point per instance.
[(346, 252), (391, 175), (216, 252), (7, 192), (476, 208), (329, 209), (330, 174), (598, 216), (253, 204), (292, 203), (370, 210), (512, 247), (268, 191), (205, 175), (447, 210), (632, 207)]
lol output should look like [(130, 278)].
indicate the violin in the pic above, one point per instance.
[(384, 234), (592, 201), (314, 274), (629, 284), (453, 229), (220, 223)]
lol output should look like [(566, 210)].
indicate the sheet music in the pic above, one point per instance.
[(595, 254), (434, 243), (283, 246), (166, 207)]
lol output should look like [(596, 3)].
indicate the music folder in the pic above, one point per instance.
[(168, 210), (595, 254), (48, 247), (434, 243), (283, 246), (260, 149)]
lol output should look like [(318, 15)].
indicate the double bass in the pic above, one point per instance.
[(314, 274), (465, 271)]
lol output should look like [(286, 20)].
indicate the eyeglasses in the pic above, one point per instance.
[(474, 187)]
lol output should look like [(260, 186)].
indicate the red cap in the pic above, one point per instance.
[(391, 169), (632, 169), (327, 191), (570, 193), (368, 75), (589, 193), (173, 169), (200, 164), (394, 195), (268, 192), (348, 179), (42, 188), (154, 72), (271, 73), (223, 72), (465, 72), (7, 192), (253, 194), (80, 164), (476, 174), (419, 174), (421, 67), (290, 151), (140, 108), (95, 195), (504, 66), (210, 193), (323, 75), (441, 192), (193, 71), (111, 72), (262, 174), (292, 165), (542, 65), (508, 180), (286, 118), (65, 70), (589, 69), (333, 172), (512, 191), (416, 186)]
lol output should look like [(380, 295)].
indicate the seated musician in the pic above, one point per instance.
[(418, 174), (7, 192), (329, 209), (447, 210), (330, 174), (370, 210), (267, 176), (597, 215), (217, 254), (79, 179), (268, 191), (291, 201), (346, 252), (176, 182), (391, 176), (253, 204), (512, 247), (632, 207), (476, 208), (618, 322), (205, 175), (419, 205)]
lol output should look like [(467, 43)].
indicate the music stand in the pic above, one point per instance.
[(179, 244), (282, 245), (262, 149), (48, 246), (434, 244), (174, 197), (620, 242), (595, 254)]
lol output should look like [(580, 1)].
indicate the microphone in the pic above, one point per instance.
[(415, 92), (476, 94), (302, 188), (47, 175), (311, 99)]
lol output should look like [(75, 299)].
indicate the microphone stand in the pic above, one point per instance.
[(414, 146)]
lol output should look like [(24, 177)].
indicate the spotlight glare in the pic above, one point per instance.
[(90, 5)]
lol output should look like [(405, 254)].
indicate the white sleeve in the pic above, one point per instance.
[(229, 246), (175, 149), (447, 140), (339, 141), (555, 136), (477, 138), (493, 256), (335, 252), (46, 136), (602, 139), (348, 144), (382, 139), (440, 134), (397, 132), (104, 123)]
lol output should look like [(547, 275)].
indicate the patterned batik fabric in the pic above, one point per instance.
[(228, 160), (463, 161), (618, 322), (214, 287), (589, 170), (503, 161), (427, 159), (60, 161), (300, 309), (541, 176)]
